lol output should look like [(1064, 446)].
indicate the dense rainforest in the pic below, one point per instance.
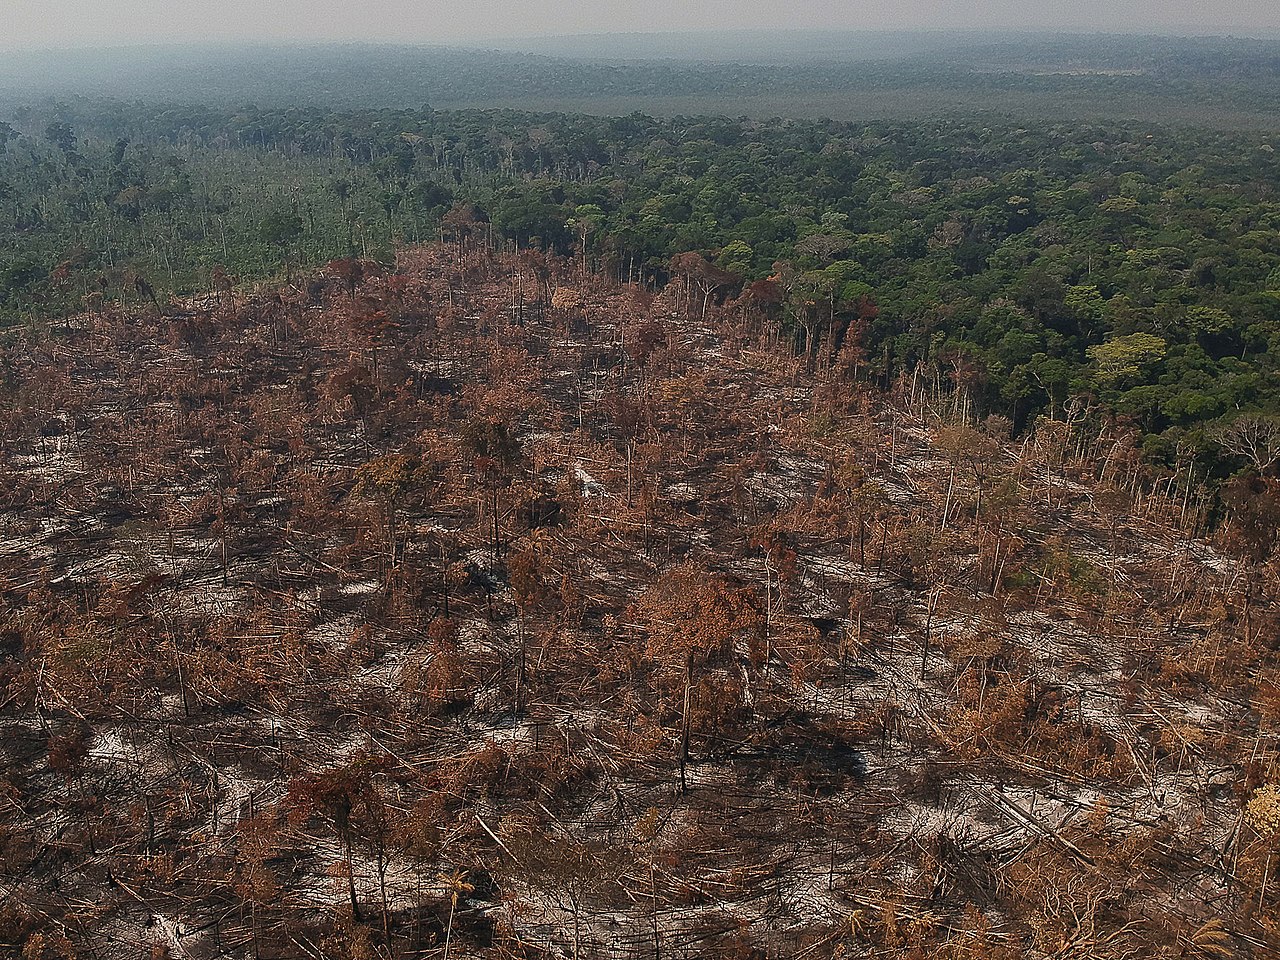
[(1135, 266), (1217, 82)]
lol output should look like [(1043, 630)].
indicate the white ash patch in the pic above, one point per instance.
[(839, 569), (482, 559), (201, 601), (235, 788), (798, 466), (110, 746), (57, 463), (783, 492), (682, 493), (898, 493), (170, 933), (592, 489), (425, 525), (335, 633)]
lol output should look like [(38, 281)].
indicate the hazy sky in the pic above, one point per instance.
[(57, 23)]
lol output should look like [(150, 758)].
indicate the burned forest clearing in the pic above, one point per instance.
[(482, 607)]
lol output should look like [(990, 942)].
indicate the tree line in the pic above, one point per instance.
[(1135, 265)]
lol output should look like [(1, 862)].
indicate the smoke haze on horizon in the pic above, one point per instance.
[(33, 25)]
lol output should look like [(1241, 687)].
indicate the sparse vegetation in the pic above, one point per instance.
[(601, 626)]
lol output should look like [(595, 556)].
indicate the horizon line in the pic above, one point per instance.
[(1161, 32)]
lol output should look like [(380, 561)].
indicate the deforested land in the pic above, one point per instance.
[(478, 601)]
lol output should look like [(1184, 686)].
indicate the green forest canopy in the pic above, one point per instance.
[(1135, 263)]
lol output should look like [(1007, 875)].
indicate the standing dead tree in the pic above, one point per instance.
[(1254, 437)]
